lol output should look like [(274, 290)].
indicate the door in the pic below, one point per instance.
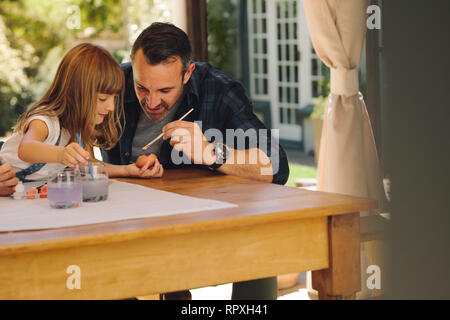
[(284, 70)]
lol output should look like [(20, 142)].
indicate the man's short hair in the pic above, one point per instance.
[(161, 41)]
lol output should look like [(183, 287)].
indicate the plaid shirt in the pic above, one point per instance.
[(219, 103)]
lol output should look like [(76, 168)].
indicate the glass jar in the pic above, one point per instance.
[(94, 179), (64, 189)]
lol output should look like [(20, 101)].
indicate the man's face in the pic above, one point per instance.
[(158, 87)]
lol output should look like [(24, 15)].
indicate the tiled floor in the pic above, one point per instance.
[(223, 292)]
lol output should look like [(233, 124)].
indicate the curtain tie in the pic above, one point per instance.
[(344, 82)]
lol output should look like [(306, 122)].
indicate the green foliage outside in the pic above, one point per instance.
[(35, 34), (223, 36), (300, 171), (13, 79), (320, 103)]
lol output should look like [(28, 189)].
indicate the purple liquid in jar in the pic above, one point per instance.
[(64, 195)]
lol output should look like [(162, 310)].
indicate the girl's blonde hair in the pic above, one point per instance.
[(85, 70)]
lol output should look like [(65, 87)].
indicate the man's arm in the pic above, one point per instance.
[(254, 152), (255, 165), (266, 161), (250, 133)]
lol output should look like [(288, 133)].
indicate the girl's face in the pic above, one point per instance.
[(105, 105)]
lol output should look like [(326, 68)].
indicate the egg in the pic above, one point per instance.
[(142, 160)]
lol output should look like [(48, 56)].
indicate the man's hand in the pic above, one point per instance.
[(8, 180), (156, 171), (187, 137)]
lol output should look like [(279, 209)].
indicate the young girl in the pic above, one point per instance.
[(85, 98)]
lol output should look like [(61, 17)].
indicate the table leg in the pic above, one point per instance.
[(342, 279)]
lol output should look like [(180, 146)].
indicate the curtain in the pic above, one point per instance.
[(348, 161)]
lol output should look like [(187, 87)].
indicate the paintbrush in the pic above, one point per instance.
[(159, 137), (89, 166)]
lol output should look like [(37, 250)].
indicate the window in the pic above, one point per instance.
[(258, 55), (288, 59), (316, 73)]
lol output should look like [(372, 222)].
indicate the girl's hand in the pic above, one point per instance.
[(73, 154), (156, 171), (8, 180)]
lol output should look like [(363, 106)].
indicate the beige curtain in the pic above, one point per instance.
[(348, 161)]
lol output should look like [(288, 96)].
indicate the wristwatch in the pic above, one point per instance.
[(222, 153)]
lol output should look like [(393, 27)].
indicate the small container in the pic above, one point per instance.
[(95, 186), (64, 189), (19, 191)]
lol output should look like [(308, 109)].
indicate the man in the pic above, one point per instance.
[(221, 133)]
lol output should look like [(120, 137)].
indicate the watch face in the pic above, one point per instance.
[(219, 150), (221, 153)]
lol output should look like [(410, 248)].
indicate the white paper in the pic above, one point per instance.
[(125, 201)]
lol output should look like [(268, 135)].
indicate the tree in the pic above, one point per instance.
[(35, 34), (29, 31), (222, 20), (13, 81)]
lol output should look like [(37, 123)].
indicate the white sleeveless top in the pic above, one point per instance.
[(10, 149)]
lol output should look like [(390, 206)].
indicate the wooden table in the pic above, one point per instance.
[(274, 230)]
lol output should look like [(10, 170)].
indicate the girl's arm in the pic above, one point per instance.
[(131, 170), (32, 149)]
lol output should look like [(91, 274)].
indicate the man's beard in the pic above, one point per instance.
[(162, 104), (162, 115)]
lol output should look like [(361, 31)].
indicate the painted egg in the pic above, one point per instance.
[(142, 160)]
